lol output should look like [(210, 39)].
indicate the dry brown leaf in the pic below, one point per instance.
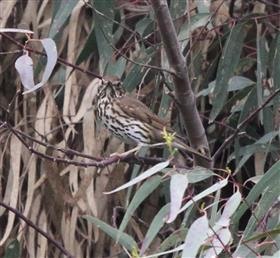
[(6, 8), (219, 10), (260, 159), (31, 236), (71, 92), (15, 158), (31, 169), (42, 241)]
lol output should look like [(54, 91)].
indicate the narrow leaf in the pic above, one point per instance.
[(61, 15), (178, 186), (51, 51), (196, 237), (148, 173), (229, 209), (142, 193), (221, 239), (13, 250), (212, 189), (124, 239), (227, 65), (271, 176), (154, 228), (232, 204)]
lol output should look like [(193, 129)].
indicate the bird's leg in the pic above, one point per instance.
[(136, 149), (126, 153)]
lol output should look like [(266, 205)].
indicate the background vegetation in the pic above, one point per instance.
[(55, 162)]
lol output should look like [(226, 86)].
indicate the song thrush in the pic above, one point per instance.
[(132, 120)]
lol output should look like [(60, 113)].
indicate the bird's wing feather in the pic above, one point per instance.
[(138, 110), (135, 108)]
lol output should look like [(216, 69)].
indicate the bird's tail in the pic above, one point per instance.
[(181, 145)]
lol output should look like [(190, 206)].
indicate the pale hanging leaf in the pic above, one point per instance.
[(178, 186), (232, 204), (148, 173), (221, 239), (16, 30), (196, 174), (254, 179), (177, 249), (196, 237), (24, 66), (230, 207), (210, 190), (15, 160), (51, 51)]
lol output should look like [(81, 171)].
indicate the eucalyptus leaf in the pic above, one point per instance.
[(123, 239), (227, 65)]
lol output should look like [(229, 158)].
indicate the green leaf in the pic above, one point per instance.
[(269, 196), (155, 227), (123, 239), (227, 65), (142, 25), (177, 8), (116, 68), (13, 250), (61, 15), (235, 83), (269, 178), (173, 240), (276, 73), (187, 28), (196, 174), (262, 57), (89, 47), (142, 193), (135, 75), (104, 31), (202, 6)]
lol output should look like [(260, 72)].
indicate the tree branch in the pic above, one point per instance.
[(37, 229), (242, 124), (183, 91)]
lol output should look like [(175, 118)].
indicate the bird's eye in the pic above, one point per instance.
[(101, 91)]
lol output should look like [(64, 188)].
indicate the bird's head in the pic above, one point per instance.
[(110, 89)]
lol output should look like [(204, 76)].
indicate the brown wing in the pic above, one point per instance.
[(135, 108)]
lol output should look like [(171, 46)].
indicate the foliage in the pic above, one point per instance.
[(55, 162)]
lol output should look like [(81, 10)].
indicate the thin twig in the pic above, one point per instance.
[(37, 229), (242, 124), (97, 161)]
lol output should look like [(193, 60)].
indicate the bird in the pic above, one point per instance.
[(131, 120)]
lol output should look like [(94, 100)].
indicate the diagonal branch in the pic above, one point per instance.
[(183, 91), (242, 124), (37, 229)]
